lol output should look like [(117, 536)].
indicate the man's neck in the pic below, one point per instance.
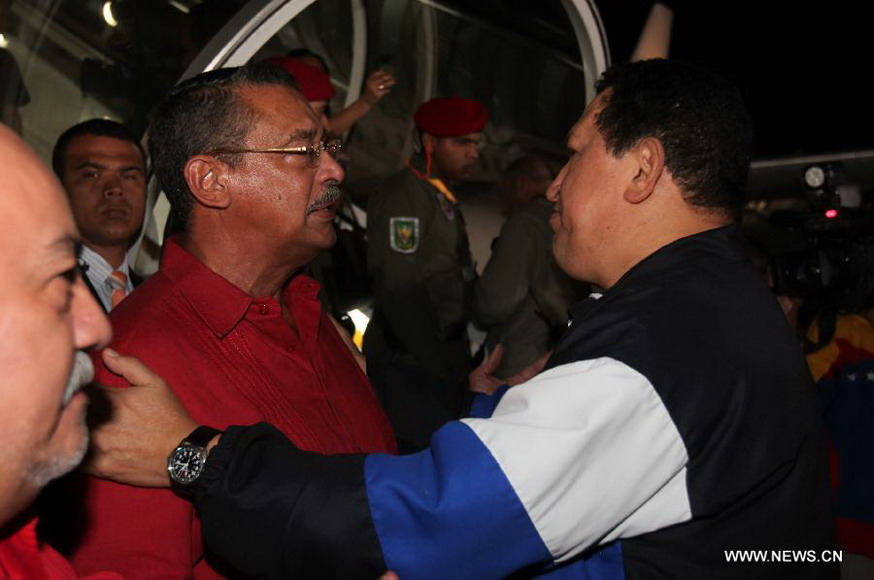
[(437, 174), (643, 240), (256, 272), (419, 162), (114, 255)]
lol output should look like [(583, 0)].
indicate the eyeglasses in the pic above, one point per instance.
[(313, 151)]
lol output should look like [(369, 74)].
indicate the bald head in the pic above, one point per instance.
[(33, 206), (524, 179), (47, 316)]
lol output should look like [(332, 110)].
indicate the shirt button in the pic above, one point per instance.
[(289, 348), (263, 309)]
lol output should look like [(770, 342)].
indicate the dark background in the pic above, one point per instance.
[(804, 68)]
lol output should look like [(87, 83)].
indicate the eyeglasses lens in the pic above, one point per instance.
[(314, 151)]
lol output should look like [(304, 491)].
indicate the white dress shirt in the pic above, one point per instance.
[(98, 271)]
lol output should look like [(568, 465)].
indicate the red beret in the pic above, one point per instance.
[(315, 84), (451, 117)]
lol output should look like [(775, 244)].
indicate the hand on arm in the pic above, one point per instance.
[(145, 425), (528, 372), (481, 378)]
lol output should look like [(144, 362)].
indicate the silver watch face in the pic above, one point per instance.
[(186, 463)]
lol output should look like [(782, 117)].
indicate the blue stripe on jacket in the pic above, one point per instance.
[(432, 510)]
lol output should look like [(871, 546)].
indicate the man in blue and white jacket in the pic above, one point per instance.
[(674, 424)]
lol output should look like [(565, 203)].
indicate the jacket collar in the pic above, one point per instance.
[(722, 243)]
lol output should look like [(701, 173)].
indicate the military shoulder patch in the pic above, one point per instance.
[(404, 234)]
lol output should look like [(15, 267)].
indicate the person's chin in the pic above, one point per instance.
[(559, 250), (322, 234), (118, 230), (328, 240), (68, 443), (555, 222), (73, 415)]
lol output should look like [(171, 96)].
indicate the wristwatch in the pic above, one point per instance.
[(185, 463)]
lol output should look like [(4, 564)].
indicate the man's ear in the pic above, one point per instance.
[(206, 178), (649, 155), (427, 142)]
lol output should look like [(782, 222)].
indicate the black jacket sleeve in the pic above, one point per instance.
[(275, 511)]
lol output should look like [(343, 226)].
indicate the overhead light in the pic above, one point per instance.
[(107, 15), (4, 41)]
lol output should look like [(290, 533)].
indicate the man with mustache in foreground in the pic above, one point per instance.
[(228, 317), (48, 319), (103, 169)]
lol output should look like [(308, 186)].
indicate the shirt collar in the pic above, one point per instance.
[(95, 260), (98, 271), (220, 304), (301, 286)]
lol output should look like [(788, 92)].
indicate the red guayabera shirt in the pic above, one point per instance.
[(231, 359)]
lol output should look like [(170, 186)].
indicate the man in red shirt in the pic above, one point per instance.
[(242, 159), (48, 319)]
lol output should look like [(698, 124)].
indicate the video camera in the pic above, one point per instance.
[(836, 268)]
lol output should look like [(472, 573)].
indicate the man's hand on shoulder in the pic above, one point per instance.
[(142, 426)]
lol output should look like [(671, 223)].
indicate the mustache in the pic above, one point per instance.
[(331, 194), (81, 374)]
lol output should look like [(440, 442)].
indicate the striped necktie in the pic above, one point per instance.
[(117, 280)]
